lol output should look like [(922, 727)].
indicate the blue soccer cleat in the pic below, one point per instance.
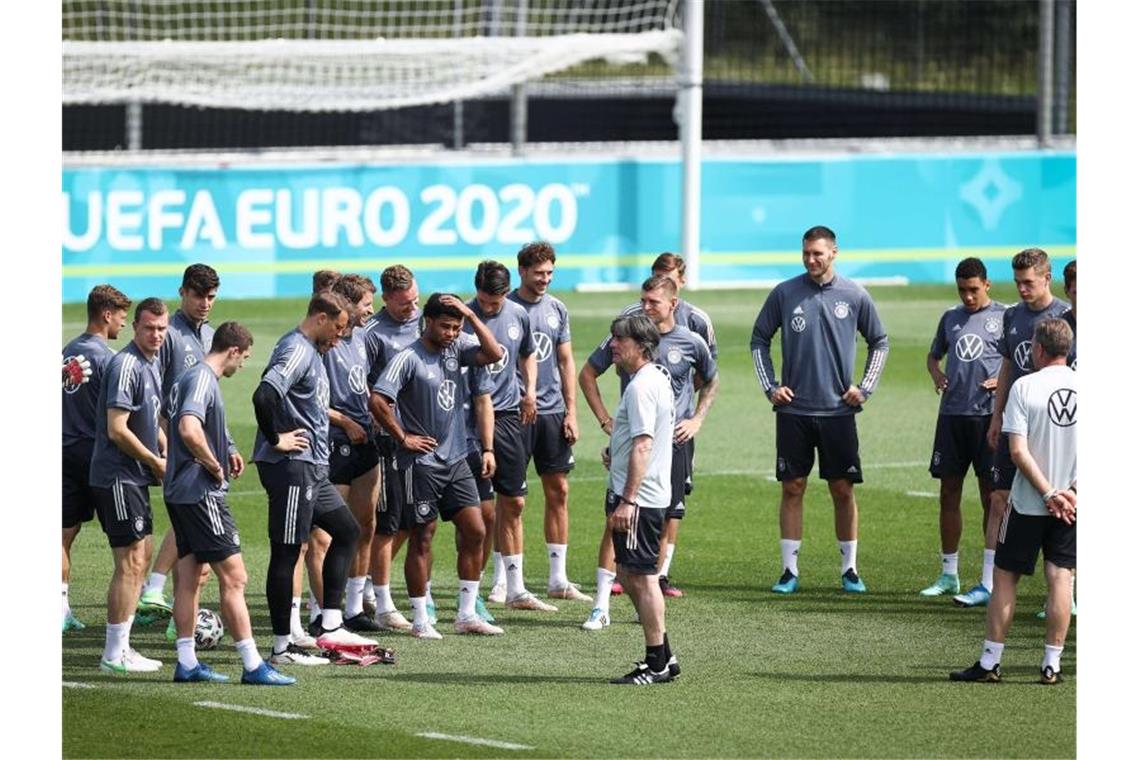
[(482, 611), (852, 583), (431, 613), (978, 596), (947, 583), (201, 672), (265, 675), (787, 584)]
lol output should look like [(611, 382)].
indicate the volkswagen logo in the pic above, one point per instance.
[(969, 347), (542, 346), (357, 380), (445, 396), (1023, 355), (1063, 407), (799, 324), (500, 365)]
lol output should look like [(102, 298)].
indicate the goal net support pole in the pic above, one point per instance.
[(691, 81)]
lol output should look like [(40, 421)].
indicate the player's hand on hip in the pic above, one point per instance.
[(158, 467), (421, 444), (989, 384), (621, 518), (854, 396), (489, 465), (570, 429), (355, 433), (294, 440), (237, 465), (528, 410), (782, 396), (606, 457), (686, 430)]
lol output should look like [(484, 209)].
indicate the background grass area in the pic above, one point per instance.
[(817, 674)]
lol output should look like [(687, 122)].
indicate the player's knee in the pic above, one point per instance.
[(557, 493), (512, 508), (233, 580), (419, 540), (841, 489), (794, 487)]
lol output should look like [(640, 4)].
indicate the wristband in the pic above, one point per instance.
[(488, 451), (608, 420), (624, 500)]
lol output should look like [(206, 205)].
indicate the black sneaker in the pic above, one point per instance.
[(1050, 676), (667, 588), (362, 622), (674, 668), (641, 675), (315, 627), (978, 674)]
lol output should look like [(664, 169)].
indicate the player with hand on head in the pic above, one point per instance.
[(968, 336)]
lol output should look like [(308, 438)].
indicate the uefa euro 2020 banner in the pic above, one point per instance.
[(266, 229)]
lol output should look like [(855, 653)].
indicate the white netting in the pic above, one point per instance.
[(348, 55)]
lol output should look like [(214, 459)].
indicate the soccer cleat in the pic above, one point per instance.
[(425, 631), (476, 624), (362, 624), (667, 588), (1041, 612), (72, 623), (482, 611), (852, 583), (616, 589), (154, 603), (946, 584), (171, 631), (130, 662), (295, 655), (342, 639), (598, 620), (265, 675), (303, 640), (977, 674), (498, 593), (200, 672), (641, 675), (1050, 676), (570, 591), (146, 618), (528, 601), (674, 666), (431, 613), (393, 621), (315, 626), (978, 596), (787, 584)]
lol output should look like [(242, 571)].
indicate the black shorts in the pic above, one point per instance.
[(960, 441), (435, 491), (681, 479), (1021, 536), (637, 550), (206, 529), (512, 451), (548, 446), (124, 512), (1003, 468), (482, 485), (78, 496), (797, 437), (297, 492), (392, 512), (348, 461)]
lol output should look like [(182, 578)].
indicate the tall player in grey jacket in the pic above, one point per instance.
[(818, 314)]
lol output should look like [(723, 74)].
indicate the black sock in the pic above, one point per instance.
[(665, 643), (655, 658)]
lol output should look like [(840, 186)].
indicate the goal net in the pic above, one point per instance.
[(350, 55)]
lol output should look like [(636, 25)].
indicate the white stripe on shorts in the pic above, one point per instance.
[(1004, 524), (120, 501), (291, 513)]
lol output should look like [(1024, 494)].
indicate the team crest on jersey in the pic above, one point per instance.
[(674, 356), (309, 493), (1063, 407), (190, 360), (500, 365), (345, 449), (1023, 354), (542, 346), (513, 332), (451, 364), (552, 320), (842, 309), (236, 539), (139, 524), (993, 325), (70, 387), (799, 324), (969, 347), (357, 381), (445, 396), (937, 458), (423, 508)]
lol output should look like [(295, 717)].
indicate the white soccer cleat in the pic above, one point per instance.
[(392, 621), (476, 624), (130, 662), (295, 655), (426, 631), (498, 593), (342, 638), (569, 591), (598, 620), (302, 640), (528, 601)]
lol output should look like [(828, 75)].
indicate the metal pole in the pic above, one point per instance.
[(1045, 74), (134, 114), (691, 84), (518, 94), (786, 38), (1063, 76), (457, 106)]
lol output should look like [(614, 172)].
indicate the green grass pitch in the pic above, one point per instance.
[(817, 674)]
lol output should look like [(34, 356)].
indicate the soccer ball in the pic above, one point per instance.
[(208, 629)]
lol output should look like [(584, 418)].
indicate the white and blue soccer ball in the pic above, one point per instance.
[(208, 629)]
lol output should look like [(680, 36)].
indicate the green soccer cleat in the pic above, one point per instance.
[(482, 611), (171, 631), (154, 603), (852, 583), (787, 584), (72, 623), (431, 613), (946, 584)]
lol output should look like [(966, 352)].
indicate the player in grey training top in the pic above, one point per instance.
[(129, 455), (673, 266), (556, 427), (1033, 276), (818, 315), (968, 335), (106, 315), (1070, 316)]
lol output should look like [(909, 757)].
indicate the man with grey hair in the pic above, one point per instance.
[(1040, 419), (640, 459)]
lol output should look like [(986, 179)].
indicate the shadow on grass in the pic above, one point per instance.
[(477, 679)]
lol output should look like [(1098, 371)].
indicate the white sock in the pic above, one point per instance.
[(187, 657), (354, 600), (369, 590), (117, 640), (427, 588), (66, 603), (468, 590), (250, 659), (950, 564), (280, 643), (295, 618), (847, 550), (668, 560), (331, 619), (419, 610), (988, 569), (991, 654), (557, 554), (515, 587), (155, 582), (500, 575), (1052, 658), (384, 601), (605, 580), (314, 606), (790, 555)]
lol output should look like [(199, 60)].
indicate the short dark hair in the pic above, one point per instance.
[(819, 232), (1070, 274), (660, 282), (641, 329), (667, 262), (323, 279), (436, 308), (1033, 258), (970, 267), (396, 277), (1054, 335), (153, 305), (327, 302), (201, 278), (231, 335), (353, 287), (492, 278), (103, 298), (535, 253)]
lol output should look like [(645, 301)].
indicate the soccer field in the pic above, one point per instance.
[(815, 674)]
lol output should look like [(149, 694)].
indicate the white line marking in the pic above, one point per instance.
[(78, 685), (252, 710), (473, 740), (923, 494)]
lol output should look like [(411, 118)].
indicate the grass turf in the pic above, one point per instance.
[(816, 674)]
